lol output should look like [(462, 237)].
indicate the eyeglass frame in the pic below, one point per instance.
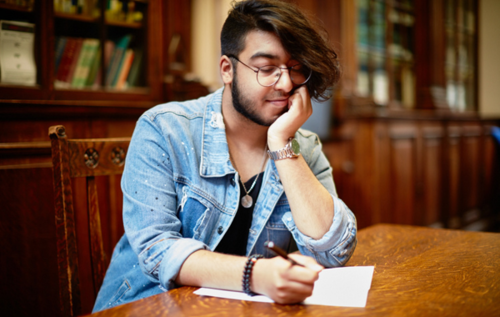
[(279, 77)]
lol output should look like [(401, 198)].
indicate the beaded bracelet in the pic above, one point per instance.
[(247, 272)]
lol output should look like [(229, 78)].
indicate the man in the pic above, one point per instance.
[(201, 195)]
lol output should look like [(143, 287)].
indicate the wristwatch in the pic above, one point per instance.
[(291, 150)]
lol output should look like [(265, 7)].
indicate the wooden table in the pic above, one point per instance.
[(418, 272)]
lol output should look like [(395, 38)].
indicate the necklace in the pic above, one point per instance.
[(247, 200)]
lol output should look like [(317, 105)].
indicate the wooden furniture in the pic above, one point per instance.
[(94, 21), (153, 27), (417, 169), (407, 143), (28, 234), (88, 158), (418, 272)]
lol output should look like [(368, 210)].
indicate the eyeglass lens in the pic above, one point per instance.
[(269, 75)]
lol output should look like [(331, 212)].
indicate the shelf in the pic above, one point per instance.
[(130, 25), (14, 86), (83, 103), (76, 17), (105, 95), (92, 26), (129, 91), (57, 110), (15, 7)]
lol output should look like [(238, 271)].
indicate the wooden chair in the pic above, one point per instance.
[(87, 158)]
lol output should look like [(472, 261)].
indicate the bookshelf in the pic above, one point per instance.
[(385, 51), (461, 54), (100, 51), (91, 111), (407, 143), (394, 72)]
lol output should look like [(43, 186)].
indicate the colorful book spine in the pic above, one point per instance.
[(117, 60), (79, 63), (109, 48), (74, 61), (66, 60), (125, 69), (61, 43), (94, 69), (88, 52), (135, 69)]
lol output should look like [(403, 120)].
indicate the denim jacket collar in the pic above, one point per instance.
[(215, 161)]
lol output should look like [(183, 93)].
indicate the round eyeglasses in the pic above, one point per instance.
[(269, 75)]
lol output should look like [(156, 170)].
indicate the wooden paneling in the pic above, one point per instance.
[(470, 172), (27, 234), (452, 166), (417, 171), (489, 175), (402, 175), (429, 193), (341, 156), (27, 224)]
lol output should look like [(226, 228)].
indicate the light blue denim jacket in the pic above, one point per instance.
[(181, 194)]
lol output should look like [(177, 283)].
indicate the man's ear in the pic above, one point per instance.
[(226, 69)]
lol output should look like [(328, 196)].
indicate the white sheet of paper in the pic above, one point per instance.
[(343, 286)]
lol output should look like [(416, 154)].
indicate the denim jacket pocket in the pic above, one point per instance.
[(197, 215), (275, 229), (118, 297)]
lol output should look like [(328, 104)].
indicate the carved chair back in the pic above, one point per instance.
[(73, 158)]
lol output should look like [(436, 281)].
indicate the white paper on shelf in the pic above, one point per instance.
[(343, 286), (17, 56)]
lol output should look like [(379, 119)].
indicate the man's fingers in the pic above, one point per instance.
[(302, 274), (292, 292), (307, 262)]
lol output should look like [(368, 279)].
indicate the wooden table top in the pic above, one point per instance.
[(418, 272)]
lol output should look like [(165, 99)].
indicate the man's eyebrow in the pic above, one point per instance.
[(263, 54)]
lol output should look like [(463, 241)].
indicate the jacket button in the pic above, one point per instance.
[(232, 181), (220, 230)]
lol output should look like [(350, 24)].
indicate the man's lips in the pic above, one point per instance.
[(282, 102)]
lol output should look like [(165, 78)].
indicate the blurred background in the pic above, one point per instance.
[(409, 132)]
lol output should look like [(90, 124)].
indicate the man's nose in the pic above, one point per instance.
[(284, 83)]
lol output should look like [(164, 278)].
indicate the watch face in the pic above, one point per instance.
[(295, 147)]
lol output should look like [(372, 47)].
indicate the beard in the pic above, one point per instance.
[(243, 105)]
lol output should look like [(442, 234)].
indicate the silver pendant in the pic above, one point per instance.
[(247, 201)]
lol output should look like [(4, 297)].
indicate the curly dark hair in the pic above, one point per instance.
[(301, 37)]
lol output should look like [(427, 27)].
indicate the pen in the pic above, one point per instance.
[(279, 251)]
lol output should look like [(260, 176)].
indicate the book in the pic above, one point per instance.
[(68, 51), (74, 61), (88, 52), (94, 70), (90, 8), (60, 44), (17, 53), (127, 62), (82, 56), (135, 69), (94, 61), (116, 60), (109, 47), (63, 71)]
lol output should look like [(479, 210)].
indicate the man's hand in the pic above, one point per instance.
[(283, 282), (299, 110)]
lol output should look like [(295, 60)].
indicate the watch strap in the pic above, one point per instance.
[(283, 153)]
